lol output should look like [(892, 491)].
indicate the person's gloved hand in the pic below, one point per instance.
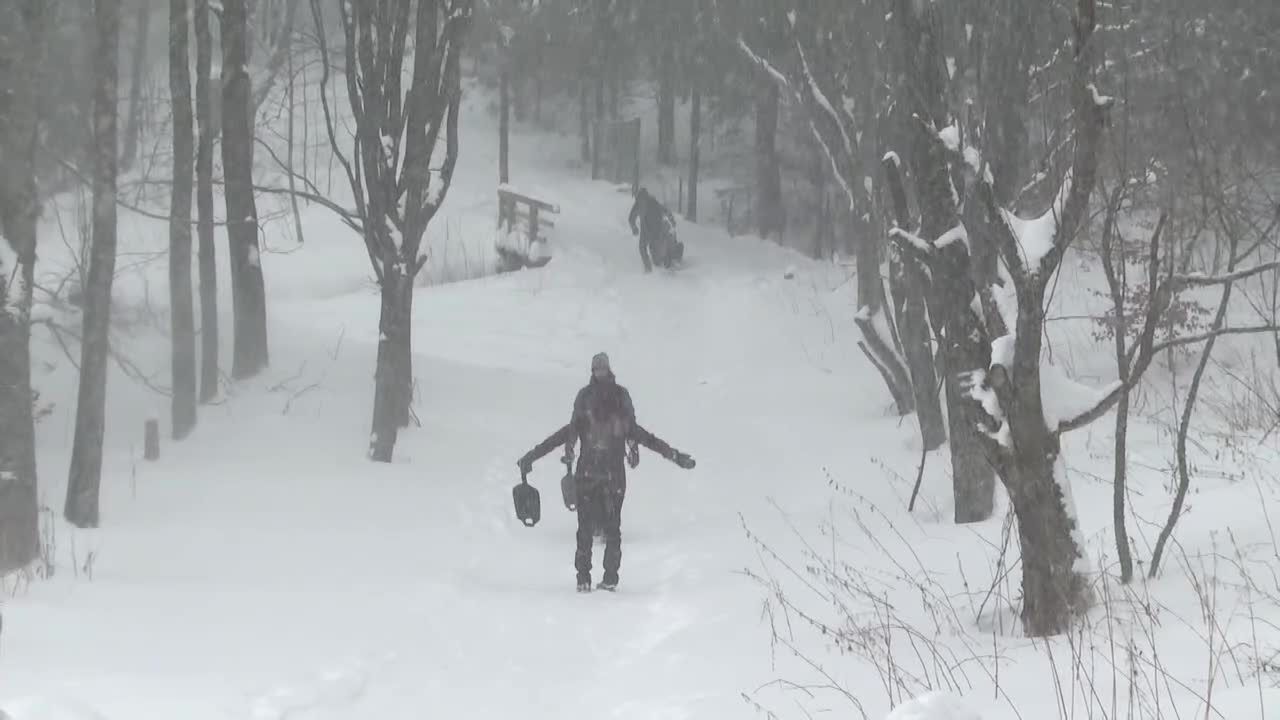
[(525, 465), (684, 461)]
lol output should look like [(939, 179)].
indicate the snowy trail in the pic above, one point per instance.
[(274, 573)]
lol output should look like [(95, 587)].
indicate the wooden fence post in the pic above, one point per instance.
[(151, 440)]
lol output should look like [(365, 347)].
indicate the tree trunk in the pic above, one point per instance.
[(950, 301), (85, 478), (917, 347), (204, 206), (1118, 487), (389, 392), (249, 351), (1007, 134), (504, 121), (667, 107), (909, 286), (770, 215), (181, 321), (597, 123), (584, 118), (818, 163), (21, 40), (136, 73), (972, 476), (695, 142), (1052, 587)]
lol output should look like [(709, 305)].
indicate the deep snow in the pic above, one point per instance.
[(262, 569)]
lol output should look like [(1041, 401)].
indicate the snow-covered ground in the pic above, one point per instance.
[(264, 570)]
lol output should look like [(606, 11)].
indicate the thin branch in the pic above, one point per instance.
[(1199, 280)]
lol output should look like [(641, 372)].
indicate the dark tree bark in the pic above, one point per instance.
[(182, 322), (695, 142), (85, 478), (142, 23), (249, 304), (204, 206), (770, 215), (21, 37), (667, 106)]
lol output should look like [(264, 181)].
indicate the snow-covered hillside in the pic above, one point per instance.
[(264, 570)]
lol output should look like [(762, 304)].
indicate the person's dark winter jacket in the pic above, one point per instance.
[(603, 424), (658, 244)]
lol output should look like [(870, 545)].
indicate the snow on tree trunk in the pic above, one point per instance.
[(1053, 584), (21, 35), (249, 305), (81, 508), (182, 321), (204, 206)]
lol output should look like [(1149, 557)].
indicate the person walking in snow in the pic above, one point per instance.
[(604, 422), (656, 231)]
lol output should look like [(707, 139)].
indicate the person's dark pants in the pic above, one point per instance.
[(646, 249), (599, 505)]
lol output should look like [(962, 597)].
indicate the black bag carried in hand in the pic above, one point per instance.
[(569, 485), (528, 502)]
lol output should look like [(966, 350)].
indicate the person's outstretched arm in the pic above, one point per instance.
[(660, 446), (559, 437)]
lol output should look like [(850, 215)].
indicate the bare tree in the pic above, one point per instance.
[(1009, 263), (182, 322), (204, 206), (85, 478), (249, 302), (397, 190), (21, 37)]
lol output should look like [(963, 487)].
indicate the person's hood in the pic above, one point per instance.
[(601, 362)]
